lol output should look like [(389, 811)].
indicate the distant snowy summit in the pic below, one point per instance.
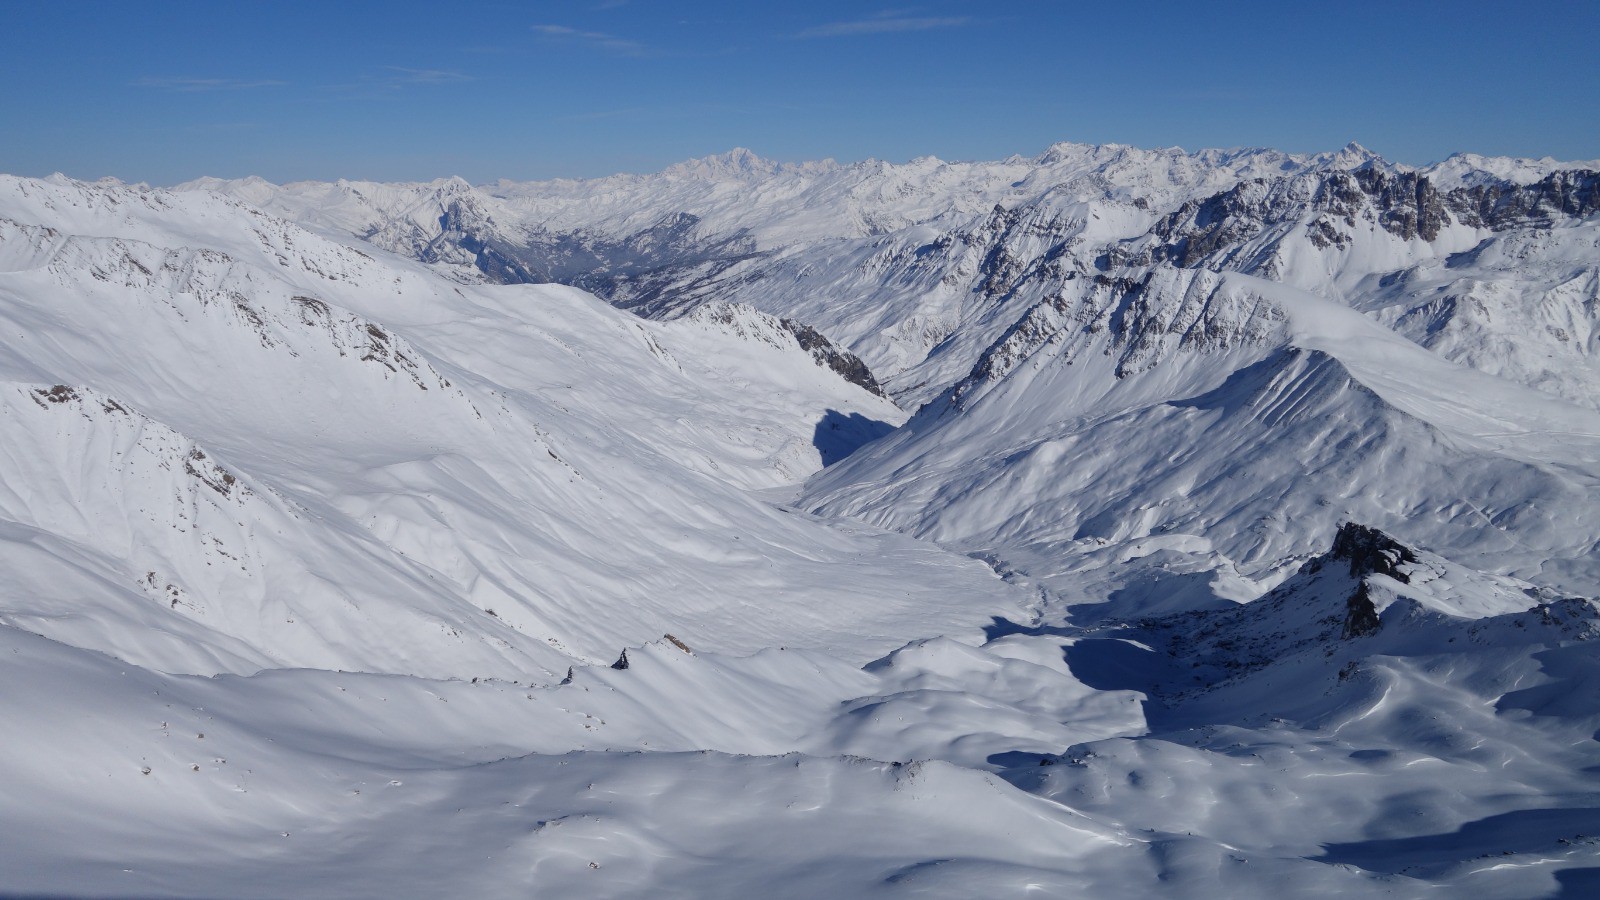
[(743, 165)]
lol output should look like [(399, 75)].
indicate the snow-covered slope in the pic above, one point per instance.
[(270, 449), (1228, 424), (1383, 710), (1374, 725)]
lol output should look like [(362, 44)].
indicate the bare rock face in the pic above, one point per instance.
[(831, 356), (1212, 232), (1361, 615), (1371, 552), (1567, 194)]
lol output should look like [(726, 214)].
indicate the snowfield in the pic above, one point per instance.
[(1227, 526)]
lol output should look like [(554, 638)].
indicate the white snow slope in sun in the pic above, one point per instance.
[(298, 542), (1214, 429), (273, 450)]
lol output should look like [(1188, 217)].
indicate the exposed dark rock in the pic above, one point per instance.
[(622, 661), (1498, 206), (1371, 552), (58, 394), (209, 473), (1199, 229), (1361, 616), (831, 356), (1210, 231), (1408, 205)]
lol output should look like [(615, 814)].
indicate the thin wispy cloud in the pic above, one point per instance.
[(884, 25), (598, 40), (190, 85), (403, 75), (598, 115), (223, 126), (389, 80)]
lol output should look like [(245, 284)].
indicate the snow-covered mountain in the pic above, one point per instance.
[(956, 279), (919, 267), (275, 450), (1212, 430), (344, 550)]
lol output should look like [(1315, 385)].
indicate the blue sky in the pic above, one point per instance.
[(168, 91)]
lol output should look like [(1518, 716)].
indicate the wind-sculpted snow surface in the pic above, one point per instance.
[(1437, 744), (1408, 718), (315, 560)]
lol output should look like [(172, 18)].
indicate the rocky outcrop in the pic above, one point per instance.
[(1211, 232), (831, 356), (1371, 552), (1361, 615), (1498, 206)]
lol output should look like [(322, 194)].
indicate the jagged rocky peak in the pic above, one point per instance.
[(1218, 231), (1563, 194), (1371, 552), (918, 266), (464, 214)]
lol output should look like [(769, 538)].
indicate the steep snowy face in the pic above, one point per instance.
[(243, 446), (1209, 431), (1495, 274)]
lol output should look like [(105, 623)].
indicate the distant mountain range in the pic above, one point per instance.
[(1102, 297)]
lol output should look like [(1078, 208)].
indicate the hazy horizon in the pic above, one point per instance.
[(403, 91)]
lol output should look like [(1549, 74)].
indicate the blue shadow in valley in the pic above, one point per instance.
[(1506, 834), (1109, 663), (839, 434)]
